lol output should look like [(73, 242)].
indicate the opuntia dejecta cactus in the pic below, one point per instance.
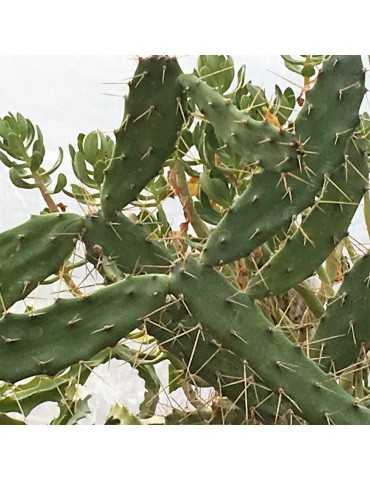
[(72, 330), (281, 193), (124, 242), (259, 143), (325, 123), (33, 251), (343, 335), (154, 115), (201, 355), (305, 251), (238, 326)]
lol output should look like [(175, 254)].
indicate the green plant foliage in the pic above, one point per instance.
[(281, 364), (125, 243), (343, 335), (154, 105), (33, 251), (257, 299), (273, 199), (307, 249), (48, 340), (257, 142)]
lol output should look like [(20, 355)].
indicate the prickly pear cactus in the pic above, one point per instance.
[(310, 245), (274, 199), (154, 105), (33, 251), (259, 297)]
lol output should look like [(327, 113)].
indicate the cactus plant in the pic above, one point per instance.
[(268, 196), (239, 326), (342, 337), (310, 245), (154, 105), (257, 142), (48, 340), (33, 251), (334, 101), (125, 243)]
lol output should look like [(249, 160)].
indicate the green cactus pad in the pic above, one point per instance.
[(154, 115), (72, 330), (324, 125), (239, 326), (124, 242), (257, 142), (33, 251), (177, 332), (320, 232), (343, 335)]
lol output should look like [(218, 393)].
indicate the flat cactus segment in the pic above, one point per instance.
[(273, 199), (72, 330), (256, 141), (33, 251), (320, 232), (154, 115), (331, 109), (343, 335), (180, 334), (239, 326), (125, 243)]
